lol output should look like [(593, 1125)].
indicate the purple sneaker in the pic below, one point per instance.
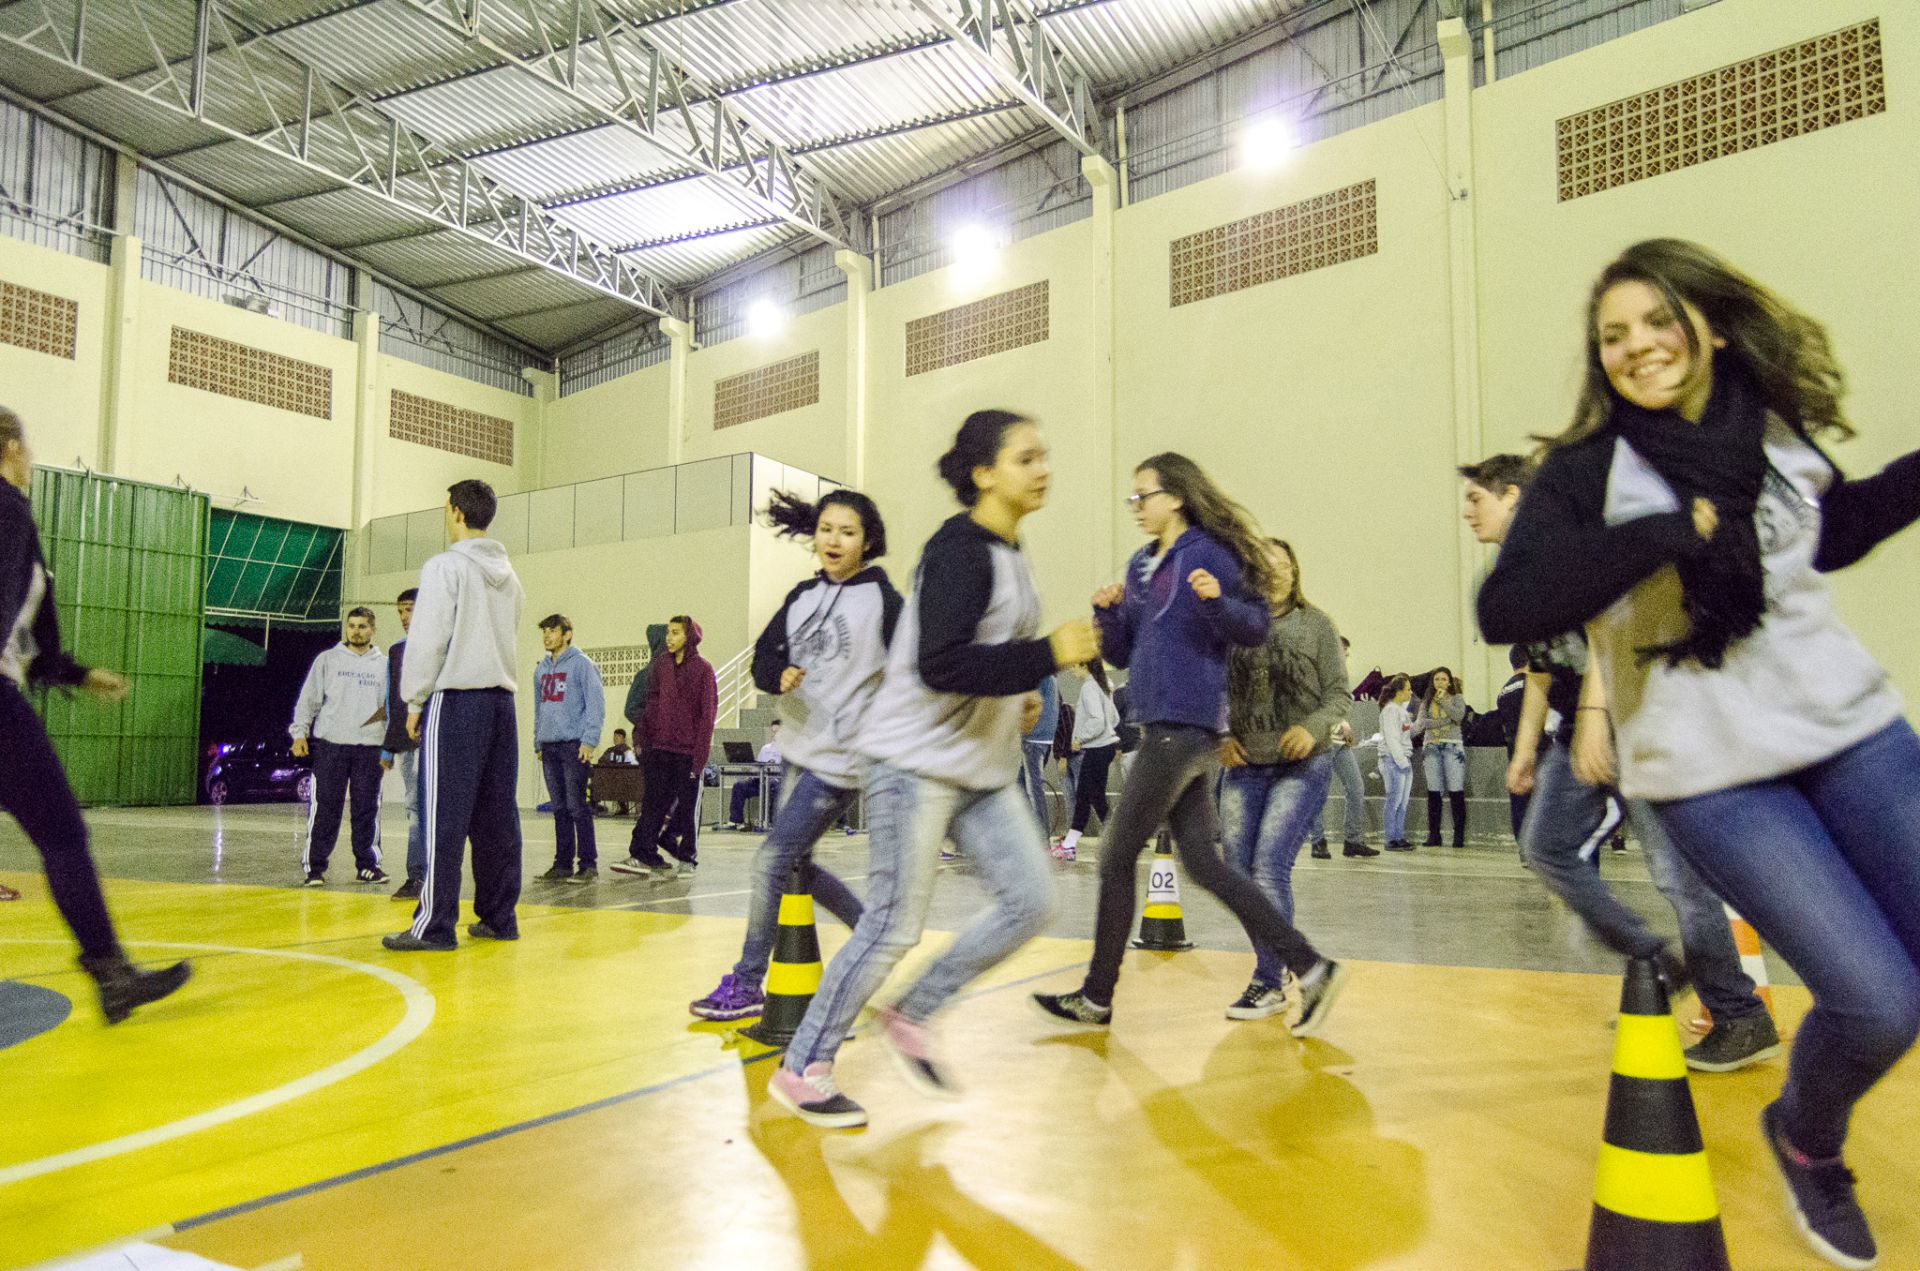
[(734, 999)]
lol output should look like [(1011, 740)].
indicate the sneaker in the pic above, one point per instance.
[(848, 830), (1820, 1194), (912, 1046), (1735, 1043), (1359, 849), (633, 866), (558, 874), (407, 942), (814, 1098), (373, 875), (124, 986), (946, 855), (481, 931), (734, 999), (1399, 845), (585, 874), (1075, 1008), (1318, 989), (8, 893), (686, 869), (409, 890), (315, 880), (1258, 1002), (1320, 852)]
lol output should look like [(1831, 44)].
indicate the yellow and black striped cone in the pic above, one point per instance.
[(793, 976), (1653, 1201), (1161, 926)]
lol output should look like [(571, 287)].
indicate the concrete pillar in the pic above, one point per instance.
[(366, 406), (532, 449), (680, 333), (859, 272), (1469, 442), (1102, 566), (114, 446)]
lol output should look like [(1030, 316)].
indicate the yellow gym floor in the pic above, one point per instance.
[(312, 1100)]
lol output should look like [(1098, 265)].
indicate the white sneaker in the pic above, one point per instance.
[(631, 866), (1260, 1001)]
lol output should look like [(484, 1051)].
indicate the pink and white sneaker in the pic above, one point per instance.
[(814, 1098), (912, 1047)]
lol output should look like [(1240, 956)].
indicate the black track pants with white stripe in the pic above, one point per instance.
[(469, 764), (343, 774)]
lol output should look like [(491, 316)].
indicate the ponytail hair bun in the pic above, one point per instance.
[(976, 445)]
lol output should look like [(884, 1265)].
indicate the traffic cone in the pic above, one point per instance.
[(1653, 1201), (1752, 961), (794, 974), (1161, 926)]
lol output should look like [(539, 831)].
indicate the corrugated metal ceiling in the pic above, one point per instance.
[(865, 92)]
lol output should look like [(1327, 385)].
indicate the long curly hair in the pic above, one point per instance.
[(1788, 354), (1206, 506), (792, 516)]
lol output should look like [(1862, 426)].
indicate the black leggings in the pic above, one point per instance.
[(1172, 781), (34, 790), (1090, 790)]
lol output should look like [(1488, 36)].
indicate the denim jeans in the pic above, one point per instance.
[(811, 808), (1033, 777), (1265, 810), (1567, 824), (408, 762), (1173, 784), (1346, 770), (1825, 863), (572, 819), (1399, 783), (909, 817), (1445, 766)]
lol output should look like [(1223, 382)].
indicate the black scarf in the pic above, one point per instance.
[(1721, 458)]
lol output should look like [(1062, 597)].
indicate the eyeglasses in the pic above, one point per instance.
[(1135, 500)]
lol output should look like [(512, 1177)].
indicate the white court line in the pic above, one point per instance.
[(419, 1013)]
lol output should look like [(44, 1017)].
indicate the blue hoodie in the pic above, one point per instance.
[(568, 704), (1173, 643)]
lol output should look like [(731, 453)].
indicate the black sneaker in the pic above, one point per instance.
[(1318, 989), (1356, 848), (1258, 1002), (409, 890), (1820, 1194), (373, 875), (407, 942), (585, 874), (1735, 1043), (124, 986), (315, 880), (1320, 852), (1075, 1008), (481, 931), (558, 874), (1399, 845)]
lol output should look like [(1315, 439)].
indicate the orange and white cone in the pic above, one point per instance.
[(1752, 961), (1162, 927)]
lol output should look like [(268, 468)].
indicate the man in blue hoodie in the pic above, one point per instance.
[(458, 684), (569, 708)]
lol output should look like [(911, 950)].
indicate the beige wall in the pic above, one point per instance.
[(812, 437), (407, 475), (619, 426), (59, 399)]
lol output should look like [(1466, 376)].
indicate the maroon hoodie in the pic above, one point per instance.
[(683, 699)]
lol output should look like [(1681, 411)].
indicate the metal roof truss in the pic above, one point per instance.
[(1006, 38)]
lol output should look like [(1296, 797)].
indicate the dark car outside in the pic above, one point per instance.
[(256, 772)]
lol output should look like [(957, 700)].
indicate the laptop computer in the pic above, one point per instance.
[(738, 751)]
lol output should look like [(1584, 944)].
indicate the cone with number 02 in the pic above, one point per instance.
[(1161, 926), (794, 974)]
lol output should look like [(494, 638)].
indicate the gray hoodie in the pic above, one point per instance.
[(344, 700), (464, 622)]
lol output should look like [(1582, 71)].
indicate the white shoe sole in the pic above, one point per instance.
[(826, 1120), (1819, 1244), (1243, 1013)]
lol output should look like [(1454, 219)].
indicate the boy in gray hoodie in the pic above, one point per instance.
[(569, 708), (341, 719), (458, 684)]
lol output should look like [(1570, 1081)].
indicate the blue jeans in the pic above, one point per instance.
[(1445, 765), (1265, 810), (910, 816), (1399, 783), (1825, 863), (811, 808), (572, 819), (1567, 824), (408, 762), (1346, 770), (1033, 774)]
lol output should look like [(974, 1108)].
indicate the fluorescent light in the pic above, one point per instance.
[(1266, 144), (765, 318), (976, 253)]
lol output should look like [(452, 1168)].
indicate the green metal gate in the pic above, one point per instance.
[(128, 563)]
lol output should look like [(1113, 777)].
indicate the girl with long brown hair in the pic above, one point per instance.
[(1686, 516)]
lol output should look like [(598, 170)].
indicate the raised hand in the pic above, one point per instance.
[(1074, 642), (1108, 596), (1204, 585)]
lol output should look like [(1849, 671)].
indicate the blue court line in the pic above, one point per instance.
[(427, 1154)]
